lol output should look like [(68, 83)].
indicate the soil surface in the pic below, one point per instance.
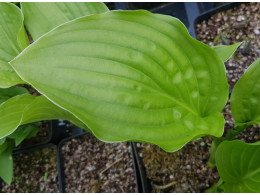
[(34, 172), (95, 166), (186, 169), (181, 171)]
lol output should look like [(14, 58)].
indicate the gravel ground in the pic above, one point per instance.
[(95, 166), (34, 172), (186, 169)]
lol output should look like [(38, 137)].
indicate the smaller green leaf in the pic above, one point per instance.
[(13, 40), (7, 93), (6, 165), (41, 17), (26, 108), (23, 132), (226, 51), (245, 97), (11, 112), (238, 164)]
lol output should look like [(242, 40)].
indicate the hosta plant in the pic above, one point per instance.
[(127, 75)]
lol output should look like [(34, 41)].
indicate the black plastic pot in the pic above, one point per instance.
[(32, 149), (59, 129), (62, 129), (141, 183), (187, 12)]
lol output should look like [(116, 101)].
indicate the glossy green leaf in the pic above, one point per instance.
[(6, 165), (41, 17), (226, 51), (238, 164), (130, 75), (13, 39), (245, 97), (7, 93), (24, 109)]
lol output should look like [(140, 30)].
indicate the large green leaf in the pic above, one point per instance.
[(245, 97), (41, 17), (130, 75), (13, 39), (238, 164), (24, 109), (226, 51)]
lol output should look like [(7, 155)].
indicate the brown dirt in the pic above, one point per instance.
[(95, 166), (34, 172), (185, 169), (31, 90)]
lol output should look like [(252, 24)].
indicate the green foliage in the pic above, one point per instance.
[(11, 29), (238, 165), (108, 66), (128, 75), (245, 98), (41, 17), (226, 51)]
